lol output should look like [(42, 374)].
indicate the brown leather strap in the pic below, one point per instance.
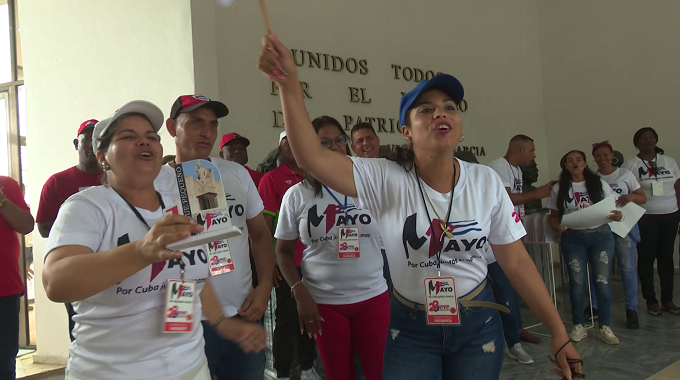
[(466, 300)]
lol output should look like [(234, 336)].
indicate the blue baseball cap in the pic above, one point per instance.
[(445, 82)]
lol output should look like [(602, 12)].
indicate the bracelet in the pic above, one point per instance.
[(561, 348), (293, 287), (219, 320)]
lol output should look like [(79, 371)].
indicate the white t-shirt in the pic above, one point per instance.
[(667, 172), (329, 279), (577, 198), (245, 203), (511, 177), (482, 213), (118, 331), (622, 181)]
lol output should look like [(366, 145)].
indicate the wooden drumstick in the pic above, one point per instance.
[(265, 16)]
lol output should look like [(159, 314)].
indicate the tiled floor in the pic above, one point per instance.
[(651, 353), (26, 368)]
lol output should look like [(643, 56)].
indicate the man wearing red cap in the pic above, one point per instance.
[(15, 217), (193, 125), (233, 147), (59, 187)]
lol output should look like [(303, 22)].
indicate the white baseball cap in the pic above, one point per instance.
[(282, 135), (148, 109)]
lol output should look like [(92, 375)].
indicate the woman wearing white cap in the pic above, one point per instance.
[(436, 216), (106, 254)]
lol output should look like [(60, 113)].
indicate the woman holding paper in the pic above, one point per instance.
[(437, 215), (659, 177), (107, 255), (623, 183), (343, 290), (577, 189)]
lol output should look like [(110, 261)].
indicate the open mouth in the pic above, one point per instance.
[(442, 126)]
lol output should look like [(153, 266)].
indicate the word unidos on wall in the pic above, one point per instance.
[(358, 95)]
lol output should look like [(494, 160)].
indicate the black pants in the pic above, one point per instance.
[(657, 233), (287, 332), (71, 324), (9, 335)]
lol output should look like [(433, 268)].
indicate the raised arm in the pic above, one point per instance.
[(330, 168)]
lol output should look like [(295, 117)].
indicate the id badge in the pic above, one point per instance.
[(441, 301), (657, 189), (522, 213), (179, 307), (348, 243), (220, 257)]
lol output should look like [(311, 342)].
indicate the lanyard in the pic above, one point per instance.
[(655, 161), (344, 207), (141, 219), (445, 223)]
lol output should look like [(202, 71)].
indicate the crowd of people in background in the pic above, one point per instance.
[(417, 216)]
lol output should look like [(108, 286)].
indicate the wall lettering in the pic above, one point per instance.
[(412, 74), (329, 62)]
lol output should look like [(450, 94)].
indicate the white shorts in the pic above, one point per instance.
[(201, 372)]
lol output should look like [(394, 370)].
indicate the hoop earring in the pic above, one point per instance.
[(615, 160), (105, 166), (462, 137)]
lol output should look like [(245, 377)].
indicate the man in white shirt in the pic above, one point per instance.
[(193, 125), (521, 152)]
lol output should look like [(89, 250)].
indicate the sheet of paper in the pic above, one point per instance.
[(631, 214), (592, 216)]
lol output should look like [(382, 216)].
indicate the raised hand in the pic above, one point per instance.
[(276, 61)]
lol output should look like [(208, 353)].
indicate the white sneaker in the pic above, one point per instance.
[(517, 352), (578, 332), (607, 335), (309, 374)]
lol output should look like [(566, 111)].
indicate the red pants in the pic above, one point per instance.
[(361, 326)]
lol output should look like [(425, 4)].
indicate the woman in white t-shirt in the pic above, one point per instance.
[(106, 254), (624, 184), (436, 215), (343, 290), (659, 177), (577, 189)]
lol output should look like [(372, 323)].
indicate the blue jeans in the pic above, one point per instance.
[(473, 350), (506, 295), (579, 249), (9, 335), (227, 361), (624, 249)]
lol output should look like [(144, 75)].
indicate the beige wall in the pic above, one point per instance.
[(493, 48), (83, 59), (609, 68)]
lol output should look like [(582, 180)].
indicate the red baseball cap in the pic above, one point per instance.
[(188, 103), (85, 124), (231, 137)]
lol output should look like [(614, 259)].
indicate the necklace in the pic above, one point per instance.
[(442, 222)]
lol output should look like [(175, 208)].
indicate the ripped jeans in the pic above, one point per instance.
[(597, 248), (624, 250), (473, 350)]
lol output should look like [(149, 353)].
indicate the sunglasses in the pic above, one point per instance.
[(339, 141)]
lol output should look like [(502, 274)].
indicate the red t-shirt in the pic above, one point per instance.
[(255, 175), (59, 187), (10, 279), (273, 186)]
